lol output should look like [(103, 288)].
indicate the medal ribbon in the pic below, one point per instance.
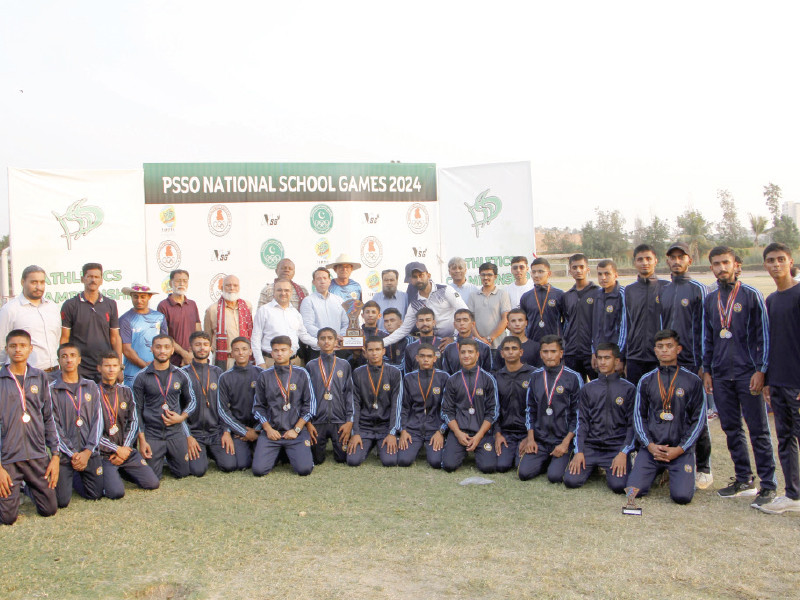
[(77, 406), (285, 391), (666, 396), (726, 314), (107, 404), (426, 394), (550, 392), (200, 381), (542, 307), (160, 389), (21, 391), (326, 379), (376, 389), (466, 387)]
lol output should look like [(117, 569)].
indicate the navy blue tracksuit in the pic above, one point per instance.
[(642, 322), (24, 445), (281, 408), (421, 415), (395, 353), (376, 417), (552, 311), (732, 362), (451, 363), (512, 388), (236, 392), (530, 356), (688, 409), (608, 320), (151, 390), (76, 438), (456, 406), (410, 353), (334, 404), (577, 306), (604, 428), (119, 413), (205, 423), (549, 430)]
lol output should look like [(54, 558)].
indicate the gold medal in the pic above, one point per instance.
[(723, 333), (123, 405), (327, 395), (26, 418)]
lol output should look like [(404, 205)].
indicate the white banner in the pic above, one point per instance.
[(487, 216), (61, 220)]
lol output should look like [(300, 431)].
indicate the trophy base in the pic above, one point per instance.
[(631, 511), (353, 341)]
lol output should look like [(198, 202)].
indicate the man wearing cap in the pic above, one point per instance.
[(443, 300), (137, 328), (343, 286), (227, 319), (35, 314), (182, 316), (285, 270), (390, 296)]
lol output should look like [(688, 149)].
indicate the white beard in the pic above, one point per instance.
[(230, 296)]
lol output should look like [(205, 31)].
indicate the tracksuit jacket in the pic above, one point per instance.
[(236, 391), (269, 401), (578, 310), (608, 320), (180, 399), (416, 414), (339, 409), (205, 423), (410, 353), (643, 317), (385, 419), (682, 306), (512, 388), (552, 429), (127, 420), (605, 415), (552, 311), (452, 364), (74, 439), (456, 404)]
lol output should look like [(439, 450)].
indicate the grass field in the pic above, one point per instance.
[(374, 532)]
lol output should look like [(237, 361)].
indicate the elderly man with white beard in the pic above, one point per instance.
[(227, 319), (181, 315)]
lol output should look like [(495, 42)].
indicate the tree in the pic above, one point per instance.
[(695, 231), (656, 234), (729, 230), (558, 241), (786, 232), (772, 195), (605, 237), (758, 224)]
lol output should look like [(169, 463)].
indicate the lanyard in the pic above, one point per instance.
[(25, 416), (160, 389), (666, 395), (376, 389), (285, 391), (428, 393), (552, 391), (543, 306), (726, 314), (107, 404), (466, 387), (326, 379), (208, 379), (77, 406)]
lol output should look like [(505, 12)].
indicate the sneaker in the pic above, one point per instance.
[(764, 497), (779, 505), (703, 480), (737, 489)]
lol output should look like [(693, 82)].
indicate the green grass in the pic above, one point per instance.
[(373, 532)]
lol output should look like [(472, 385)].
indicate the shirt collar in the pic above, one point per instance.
[(173, 302)]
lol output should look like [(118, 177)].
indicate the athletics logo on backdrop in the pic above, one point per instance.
[(484, 210), (417, 218), (271, 253), (87, 218), (168, 255), (321, 218), (219, 220), (371, 251)]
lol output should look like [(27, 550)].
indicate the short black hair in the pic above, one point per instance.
[(608, 346), (468, 342), (426, 346), (198, 334), (32, 269), (241, 338), (392, 311), (327, 330), (667, 334), (373, 339), (371, 304), (777, 247), (517, 259), (487, 266), (577, 258), (720, 250), (464, 311), (541, 261), (607, 262), (512, 339), (518, 311), (426, 311), (66, 345), (162, 336), (110, 355), (320, 270), (385, 271), (552, 339), (18, 333), (91, 267), (284, 340), (643, 248)]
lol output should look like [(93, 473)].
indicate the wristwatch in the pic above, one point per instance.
[(297, 430)]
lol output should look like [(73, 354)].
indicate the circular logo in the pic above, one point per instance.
[(386, 387), (176, 385), (737, 307), (687, 468), (551, 302), (213, 385), (271, 253), (219, 220), (658, 300), (371, 251), (123, 405), (252, 384), (619, 400), (88, 397), (479, 392), (487, 446), (609, 309), (525, 383), (679, 392), (99, 471), (560, 389), (590, 300), (339, 374), (322, 248), (34, 389), (293, 387), (321, 218), (438, 354), (685, 302), (215, 286), (144, 462), (437, 391), (373, 281), (168, 256), (165, 286), (167, 216), (417, 218), (307, 442)]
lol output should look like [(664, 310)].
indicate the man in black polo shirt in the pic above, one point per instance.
[(90, 321)]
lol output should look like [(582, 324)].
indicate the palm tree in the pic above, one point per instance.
[(694, 230), (758, 224)]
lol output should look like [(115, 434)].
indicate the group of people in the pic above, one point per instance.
[(528, 377)]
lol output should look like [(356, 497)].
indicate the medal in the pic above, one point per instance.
[(123, 405), (549, 411), (666, 396), (286, 407), (474, 387), (726, 312), (665, 416), (541, 307), (326, 380), (114, 429), (728, 334), (327, 395), (79, 422), (77, 407), (208, 379), (285, 391), (375, 388), (165, 406), (552, 390), (541, 323), (425, 394), (724, 333), (471, 410), (112, 410), (26, 417), (375, 406)]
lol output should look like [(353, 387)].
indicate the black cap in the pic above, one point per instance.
[(414, 266), (682, 246)]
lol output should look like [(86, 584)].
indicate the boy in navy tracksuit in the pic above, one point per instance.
[(604, 433), (236, 392), (577, 306), (512, 387), (608, 320), (209, 433), (642, 314), (29, 431), (395, 353), (737, 344), (426, 325), (421, 411), (470, 407), (783, 375), (668, 417), (464, 323), (550, 415), (79, 421), (517, 324), (283, 404), (371, 313), (682, 310), (377, 399), (542, 304), (120, 427), (333, 389), (164, 399)]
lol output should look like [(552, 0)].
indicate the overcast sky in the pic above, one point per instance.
[(643, 107)]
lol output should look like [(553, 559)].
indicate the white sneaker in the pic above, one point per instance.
[(703, 480), (780, 505)]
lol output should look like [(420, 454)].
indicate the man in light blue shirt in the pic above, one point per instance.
[(322, 308), (343, 286), (389, 296), (137, 328)]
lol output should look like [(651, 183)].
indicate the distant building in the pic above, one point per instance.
[(792, 209)]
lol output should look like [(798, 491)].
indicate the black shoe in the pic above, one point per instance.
[(737, 489), (764, 497)]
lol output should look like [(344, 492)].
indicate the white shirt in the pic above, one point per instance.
[(43, 322), (272, 320), (466, 290), (515, 292), (320, 311), (444, 301)]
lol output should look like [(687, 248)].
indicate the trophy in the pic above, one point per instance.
[(630, 507), (353, 337)]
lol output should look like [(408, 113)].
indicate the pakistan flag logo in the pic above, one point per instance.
[(79, 220), (271, 253), (484, 210), (321, 218)]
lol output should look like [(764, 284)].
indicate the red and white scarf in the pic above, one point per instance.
[(245, 327)]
